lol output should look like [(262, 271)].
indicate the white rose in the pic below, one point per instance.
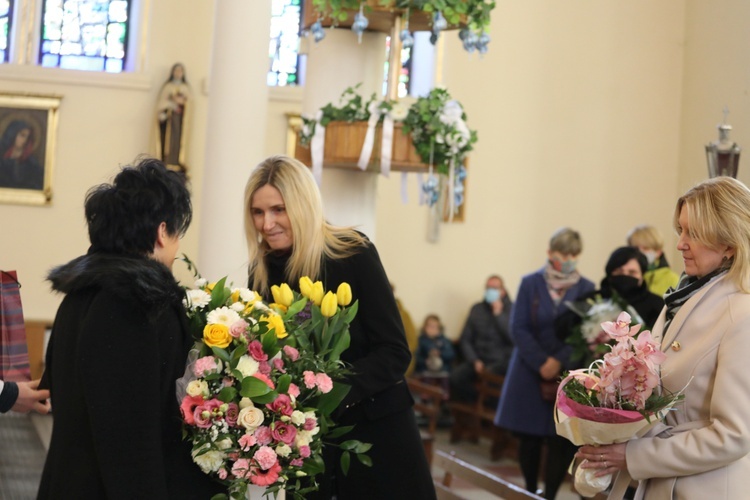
[(210, 461), (298, 418), (247, 366), (245, 402), (197, 388), (302, 438), (283, 450), (250, 418)]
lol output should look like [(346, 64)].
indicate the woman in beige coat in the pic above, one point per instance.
[(701, 449)]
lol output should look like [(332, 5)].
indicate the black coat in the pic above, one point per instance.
[(379, 403), (118, 344)]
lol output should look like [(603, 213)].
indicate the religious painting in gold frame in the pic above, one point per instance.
[(28, 129)]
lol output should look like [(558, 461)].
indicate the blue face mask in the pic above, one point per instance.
[(491, 295)]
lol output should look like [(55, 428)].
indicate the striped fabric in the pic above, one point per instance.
[(14, 354), (686, 288)]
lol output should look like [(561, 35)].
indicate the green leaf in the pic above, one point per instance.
[(296, 307), (345, 459), (314, 465), (219, 294), (365, 460), (270, 343), (220, 496), (227, 394), (349, 445), (253, 387), (329, 402), (220, 353), (351, 311), (266, 398), (362, 447), (339, 431), (282, 385), (342, 344)]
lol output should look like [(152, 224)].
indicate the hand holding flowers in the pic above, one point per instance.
[(263, 381)]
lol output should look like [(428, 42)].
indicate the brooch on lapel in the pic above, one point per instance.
[(676, 346)]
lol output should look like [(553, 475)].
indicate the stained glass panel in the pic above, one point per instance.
[(404, 76), (284, 44), (6, 18), (90, 35)]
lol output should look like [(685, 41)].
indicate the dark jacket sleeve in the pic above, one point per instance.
[(8, 396), (522, 326), (119, 353), (381, 355)]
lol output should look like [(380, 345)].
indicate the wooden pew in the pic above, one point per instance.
[(427, 402), (453, 466)]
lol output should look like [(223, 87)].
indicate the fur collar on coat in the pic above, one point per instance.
[(133, 278)]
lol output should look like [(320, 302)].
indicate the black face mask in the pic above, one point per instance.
[(625, 286)]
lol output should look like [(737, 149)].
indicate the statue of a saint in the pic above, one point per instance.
[(172, 112)]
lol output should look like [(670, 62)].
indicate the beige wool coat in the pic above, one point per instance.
[(701, 451)]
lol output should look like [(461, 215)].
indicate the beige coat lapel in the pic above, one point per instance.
[(674, 328)]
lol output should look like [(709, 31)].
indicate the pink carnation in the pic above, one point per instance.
[(187, 408), (284, 433), (266, 457), (204, 366), (222, 473), (264, 368), (291, 352), (255, 349), (293, 390), (278, 363), (304, 451), (324, 383), (309, 379), (260, 478), (297, 462), (238, 328), (263, 435), (241, 468), (246, 441)]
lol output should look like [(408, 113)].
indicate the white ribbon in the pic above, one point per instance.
[(317, 144), (386, 145), (364, 156)]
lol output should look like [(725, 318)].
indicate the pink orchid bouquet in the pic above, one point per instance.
[(262, 382), (615, 399)]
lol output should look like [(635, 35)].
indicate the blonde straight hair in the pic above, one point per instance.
[(313, 237), (646, 236), (719, 214)]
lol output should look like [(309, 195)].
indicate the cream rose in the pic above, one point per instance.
[(302, 438), (250, 418), (197, 388), (210, 461), (283, 450), (245, 402), (298, 418)]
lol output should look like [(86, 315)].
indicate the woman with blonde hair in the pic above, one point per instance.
[(701, 449), (288, 238), (658, 277)]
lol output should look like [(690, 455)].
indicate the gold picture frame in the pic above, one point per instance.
[(28, 130)]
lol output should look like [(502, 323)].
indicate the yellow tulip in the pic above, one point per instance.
[(217, 335), (328, 305), (279, 308), (305, 286), (235, 297), (282, 294), (344, 294), (316, 294), (275, 323)]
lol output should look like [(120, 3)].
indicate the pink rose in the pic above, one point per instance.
[(324, 383), (265, 478), (310, 424), (187, 408), (263, 435), (278, 363), (241, 468), (293, 390), (291, 352), (304, 451), (297, 462), (264, 368), (204, 366), (255, 350), (238, 328), (309, 379), (266, 457), (222, 473), (202, 416), (284, 433), (282, 404), (246, 441), (231, 414)]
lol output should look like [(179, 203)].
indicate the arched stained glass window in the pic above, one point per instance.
[(85, 34), (284, 45), (6, 18)]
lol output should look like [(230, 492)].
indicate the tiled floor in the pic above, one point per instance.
[(479, 455)]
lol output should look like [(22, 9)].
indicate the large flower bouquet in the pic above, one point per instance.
[(615, 398), (589, 340), (262, 382)]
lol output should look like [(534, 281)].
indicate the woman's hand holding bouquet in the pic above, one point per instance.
[(614, 399)]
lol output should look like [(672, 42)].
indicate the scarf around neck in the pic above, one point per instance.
[(559, 283), (686, 288)]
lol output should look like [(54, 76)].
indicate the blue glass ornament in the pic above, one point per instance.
[(439, 23), (407, 40), (360, 24), (317, 31), (470, 42)]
